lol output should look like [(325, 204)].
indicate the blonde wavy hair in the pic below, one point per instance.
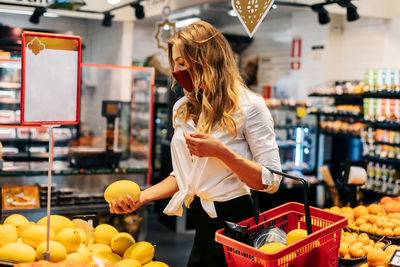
[(210, 61)]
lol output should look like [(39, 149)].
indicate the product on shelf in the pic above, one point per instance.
[(382, 178), (340, 88), (381, 109), (378, 80), (7, 116), (7, 133), (345, 127), (348, 109)]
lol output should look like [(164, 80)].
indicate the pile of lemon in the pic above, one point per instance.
[(24, 241)]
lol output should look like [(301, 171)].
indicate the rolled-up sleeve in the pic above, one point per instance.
[(259, 133)]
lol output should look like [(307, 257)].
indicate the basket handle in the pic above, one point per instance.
[(305, 196)]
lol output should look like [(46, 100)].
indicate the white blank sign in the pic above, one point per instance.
[(51, 74)]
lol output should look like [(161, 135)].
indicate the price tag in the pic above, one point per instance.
[(395, 260)]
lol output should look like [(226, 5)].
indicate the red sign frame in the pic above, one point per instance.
[(23, 58)]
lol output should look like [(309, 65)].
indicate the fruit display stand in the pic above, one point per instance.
[(379, 222), (319, 248)]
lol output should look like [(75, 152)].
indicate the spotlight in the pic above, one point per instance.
[(352, 13), (107, 21), (139, 10), (39, 11), (323, 15)]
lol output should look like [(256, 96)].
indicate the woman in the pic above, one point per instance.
[(222, 142)]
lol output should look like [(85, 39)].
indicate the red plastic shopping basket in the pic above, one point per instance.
[(321, 248)]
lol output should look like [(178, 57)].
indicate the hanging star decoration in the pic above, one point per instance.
[(36, 46), (164, 30), (251, 13)]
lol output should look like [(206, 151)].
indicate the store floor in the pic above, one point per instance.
[(171, 247)]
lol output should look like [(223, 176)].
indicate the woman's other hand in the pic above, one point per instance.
[(126, 205), (204, 145)]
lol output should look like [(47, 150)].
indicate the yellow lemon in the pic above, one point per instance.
[(85, 226), (78, 257), (70, 239), (141, 251), (272, 247), (17, 220), (56, 250), (155, 264), (57, 223), (99, 247), (36, 234), (128, 263), (107, 256), (17, 252), (8, 234), (295, 235), (120, 242), (122, 189), (103, 233), (83, 236)]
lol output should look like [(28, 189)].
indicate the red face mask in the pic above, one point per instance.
[(184, 79)]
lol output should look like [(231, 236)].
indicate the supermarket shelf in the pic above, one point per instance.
[(383, 124), (383, 143), (370, 191), (382, 94), (33, 142), (69, 209), (283, 127), (348, 96), (394, 162), (93, 208), (355, 116), (340, 134), (5, 105), (75, 171), (25, 157), (292, 145), (395, 95)]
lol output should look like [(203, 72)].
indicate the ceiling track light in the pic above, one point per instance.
[(352, 14), (35, 18), (139, 10), (323, 15), (107, 20)]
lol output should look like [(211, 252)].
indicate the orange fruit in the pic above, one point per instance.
[(374, 209), (363, 238), (366, 227), (360, 211), (396, 231), (343, 249), (387, 232), (356, 250), (376, 257), (379, 245), (360, 221), (385, 199), (366, 249)]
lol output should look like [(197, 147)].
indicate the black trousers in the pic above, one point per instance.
[(206, 252)]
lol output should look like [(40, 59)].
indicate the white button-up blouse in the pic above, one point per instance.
[(209, 178)]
